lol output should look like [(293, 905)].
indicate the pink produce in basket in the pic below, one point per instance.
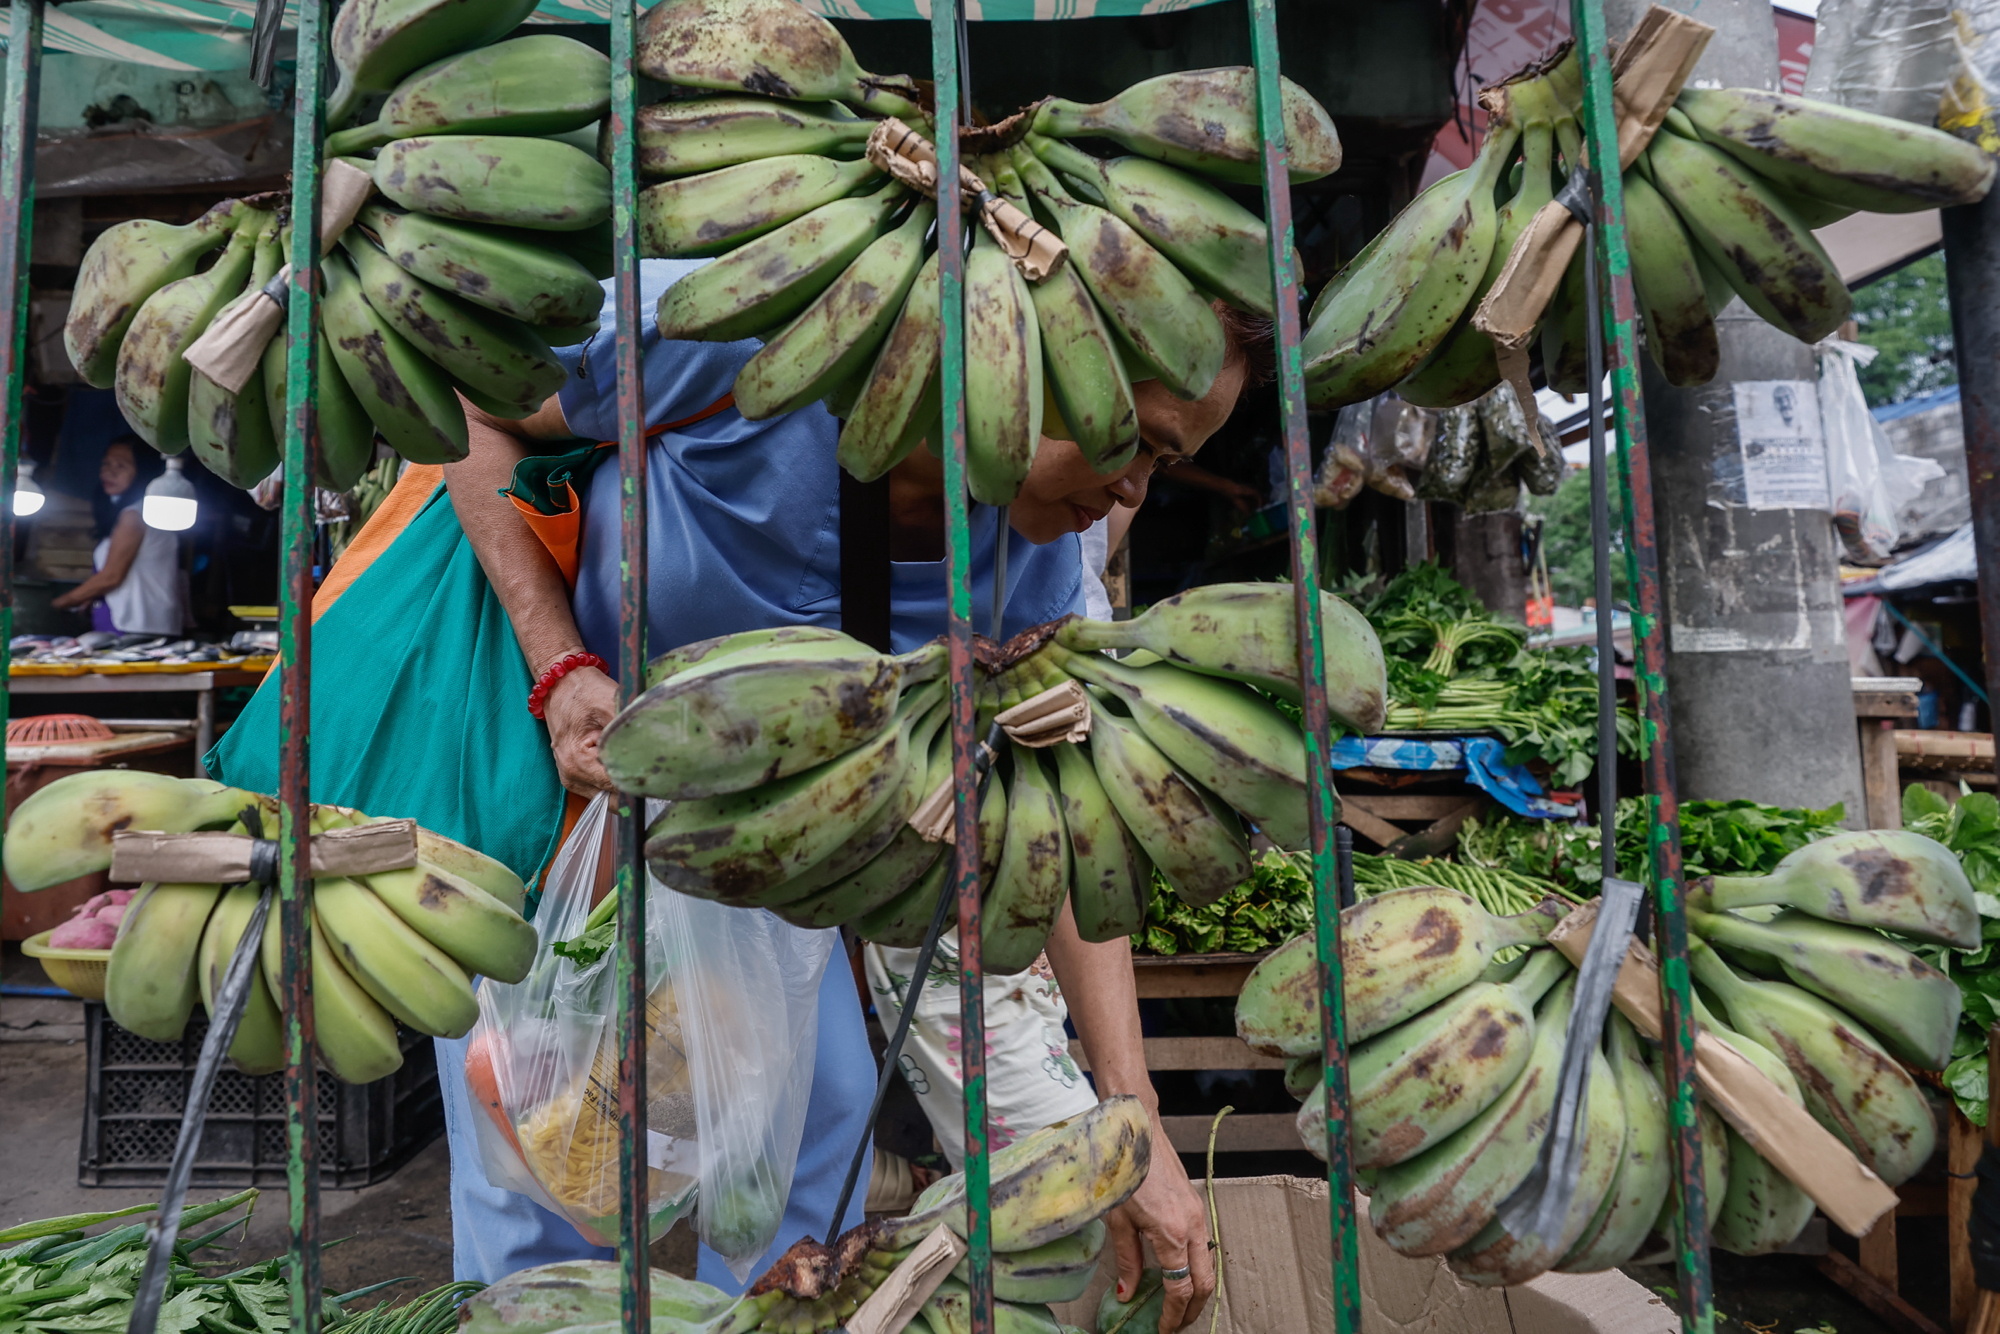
[(92, 904), (121, 897), (111, 914), (84, 933)]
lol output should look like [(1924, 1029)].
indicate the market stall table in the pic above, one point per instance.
[(135, 678)]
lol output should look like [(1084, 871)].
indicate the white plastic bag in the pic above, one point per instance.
[(732, 1023), (1891, 57), (1868, 480)]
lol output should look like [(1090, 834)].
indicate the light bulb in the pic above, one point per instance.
[(170, 502), (28, 497)]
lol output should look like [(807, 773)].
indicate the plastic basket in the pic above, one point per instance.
[(79, 972), (136, 1091)]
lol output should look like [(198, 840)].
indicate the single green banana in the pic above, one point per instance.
[(705, 133), (1498, 1256), (1401, 953), (1441, 1199), (232, 433), (1056, 1271), (1672, 295), (903, 921), (1111, 878), (408, 976), (1394, 302), (1047, 1184), (762, 285), (716, 211), (1197, 843), (375, 43), (1032, 882), (1852, 158), (1768, 255), (1139, 1314), (752, 717), (1888, 879), (153, 977), (1658, 1248), (1303, 1074), (259, 1045), (536, 85), (773, 48), (152, 380), (838, 334), (1159, 317), (407, 395), (1762, 1210), (571, 1293), (1205, 119), (346, 435), (672, 663), (1224, 736), (499, 358), (1645, 1178), (888, 419), (949, 1311), (508, 180), (504, 271), (1565, 352), (748, 845), (1003, 375), (1912, 1007), (121, 271), (1417, 1083), (1216, 241), (476, 929), (62, 831), (1465, 366), (1852, 1085), (1248, 632)]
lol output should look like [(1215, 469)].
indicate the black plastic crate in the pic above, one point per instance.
[(137, 1091)]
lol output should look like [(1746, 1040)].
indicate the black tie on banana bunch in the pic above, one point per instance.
[(1721, 204)]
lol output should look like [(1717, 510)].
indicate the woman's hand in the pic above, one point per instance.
[(1167, 1211), (76, 597), (577, 709)]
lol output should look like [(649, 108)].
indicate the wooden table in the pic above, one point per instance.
[(202, 685)]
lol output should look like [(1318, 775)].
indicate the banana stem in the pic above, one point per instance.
[(359, 139)]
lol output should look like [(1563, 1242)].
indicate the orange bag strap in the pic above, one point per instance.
[(562, 532)]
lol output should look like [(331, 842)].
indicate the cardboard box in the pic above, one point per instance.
[(1278, 1279)]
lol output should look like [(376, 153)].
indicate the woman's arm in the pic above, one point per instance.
[(1103, 1000), (531, 586), (126, 536)]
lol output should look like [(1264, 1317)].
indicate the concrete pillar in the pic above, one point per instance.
[(1757, 665)]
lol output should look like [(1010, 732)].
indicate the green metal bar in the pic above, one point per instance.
[(17, 236), (295, 647), (634, 1176), (1312, 663), (1620, 316), (964, 743)]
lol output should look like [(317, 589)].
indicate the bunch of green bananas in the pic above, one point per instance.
[(395, 946), (1721, 204), (483, 251), (1050, 1189), (793, 761), (1455, 1050), (833, 266)]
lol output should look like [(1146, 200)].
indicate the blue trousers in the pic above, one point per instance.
[(497, 1232)]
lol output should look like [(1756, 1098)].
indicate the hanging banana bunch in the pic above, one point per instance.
[(1452, 1067), (1722, 203), (798, 765)]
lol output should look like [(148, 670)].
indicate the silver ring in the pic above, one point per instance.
[(1174, 1275)]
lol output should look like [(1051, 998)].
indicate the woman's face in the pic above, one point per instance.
[(1064, 494), (118, 470)]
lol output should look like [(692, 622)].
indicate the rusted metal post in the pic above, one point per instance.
[(1972, 277), (1320, 809), (945, 71), (295, 648), (1620, 323), (17, 238), (633, 1172)]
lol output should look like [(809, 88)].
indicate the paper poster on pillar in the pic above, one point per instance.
[(1782, 446)]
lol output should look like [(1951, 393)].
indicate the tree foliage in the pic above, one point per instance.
[(1907, 317), (1566, 542)]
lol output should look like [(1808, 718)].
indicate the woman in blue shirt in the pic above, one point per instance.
[(743, 533)]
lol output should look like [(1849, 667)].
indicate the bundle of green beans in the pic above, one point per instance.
[(1498, 891)]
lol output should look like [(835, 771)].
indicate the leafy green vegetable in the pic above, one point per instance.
[(1970, 827), (1265, 911)]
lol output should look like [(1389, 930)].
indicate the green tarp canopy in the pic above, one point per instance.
[(215, 34)]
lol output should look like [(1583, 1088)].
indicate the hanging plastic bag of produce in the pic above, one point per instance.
[(731, 1025), (1891, 57), (1869, 481)]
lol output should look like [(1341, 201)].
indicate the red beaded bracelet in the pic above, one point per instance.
[(540, 694)]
